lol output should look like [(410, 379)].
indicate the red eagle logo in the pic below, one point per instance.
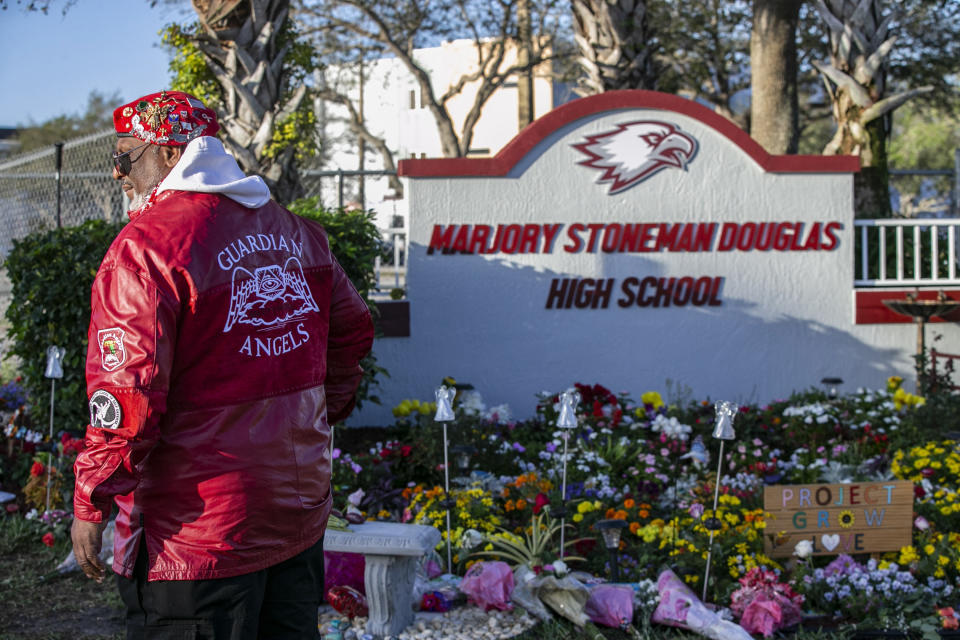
[(634, 151)]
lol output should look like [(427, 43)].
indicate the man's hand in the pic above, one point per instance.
[(87, 540)]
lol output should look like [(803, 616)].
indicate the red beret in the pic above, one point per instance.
[(166, 118)]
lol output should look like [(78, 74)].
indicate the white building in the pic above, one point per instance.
[(394, 109)]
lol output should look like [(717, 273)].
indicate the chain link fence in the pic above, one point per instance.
[(55, 187)]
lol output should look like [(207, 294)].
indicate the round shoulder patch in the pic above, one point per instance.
[(104, 410)]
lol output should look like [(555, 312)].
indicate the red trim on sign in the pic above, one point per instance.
[(871, 310), (515, 150)]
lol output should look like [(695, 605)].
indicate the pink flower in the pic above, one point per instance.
[(921, 523), (762, 615)]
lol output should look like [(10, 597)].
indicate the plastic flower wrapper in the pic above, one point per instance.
[(526, 585), (489, 585), (343, 570), (611, 606), (567, 596), (679, 607)]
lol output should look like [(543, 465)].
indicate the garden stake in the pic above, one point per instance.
[(566, 420), (723, 430), (54, 370), (444, 396)]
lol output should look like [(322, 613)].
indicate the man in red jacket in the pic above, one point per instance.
[(224, 339)]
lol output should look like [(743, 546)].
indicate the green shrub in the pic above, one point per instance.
[(51, 273), (356, 243)]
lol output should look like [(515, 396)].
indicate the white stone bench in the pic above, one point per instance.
[(391, 551)]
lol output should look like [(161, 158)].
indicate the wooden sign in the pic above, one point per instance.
[(862, 517)]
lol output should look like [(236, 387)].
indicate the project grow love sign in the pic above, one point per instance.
[(862, 517)]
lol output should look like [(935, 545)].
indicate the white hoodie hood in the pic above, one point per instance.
[(205, 166)]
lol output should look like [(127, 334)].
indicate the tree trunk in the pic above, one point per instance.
[(241, 48), (525, 79), (613, 39), (871, 186), (774, 110)]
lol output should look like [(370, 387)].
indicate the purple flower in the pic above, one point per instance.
[(551, 447), (696, 510), (356, 468), (843, 565), (335, 454), (519, 447)]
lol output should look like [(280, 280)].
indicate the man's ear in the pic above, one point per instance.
[(170, 155)]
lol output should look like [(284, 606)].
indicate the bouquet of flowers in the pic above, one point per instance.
[(765, 605)]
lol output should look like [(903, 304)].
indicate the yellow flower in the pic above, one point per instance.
[(930, 549), (907, 555), (578, 517), (894, 382), (846, 518), (653, 399)]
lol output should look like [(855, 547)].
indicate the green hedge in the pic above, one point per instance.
[(51, 273)]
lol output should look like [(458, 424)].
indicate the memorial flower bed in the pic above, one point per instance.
[(652, 464)]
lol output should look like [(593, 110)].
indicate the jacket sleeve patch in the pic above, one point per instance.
[(105, 412), (112, 352)]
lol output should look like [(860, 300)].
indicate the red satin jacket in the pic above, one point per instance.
[(223, 341)]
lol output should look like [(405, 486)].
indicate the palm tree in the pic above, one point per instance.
[(613, 38), (860, 41), (243, 44)]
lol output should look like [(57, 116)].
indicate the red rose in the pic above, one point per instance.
[(405, 450), (48, 539), (36, 470), (585, 546), (540, 502)]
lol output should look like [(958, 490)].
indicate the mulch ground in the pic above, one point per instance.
[(36, 605)]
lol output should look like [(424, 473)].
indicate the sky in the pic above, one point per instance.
[(50, 63)]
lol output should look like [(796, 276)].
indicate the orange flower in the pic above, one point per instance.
[(508, 506), (634, 527), (406, 493), (505, 493), (620, 515), (628, 503), (643, 513), (521, 504), (609, 514), (949, 618)]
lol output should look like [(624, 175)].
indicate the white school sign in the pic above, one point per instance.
[(626, 239)]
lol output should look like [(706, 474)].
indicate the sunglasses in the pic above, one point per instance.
[(122, 162)]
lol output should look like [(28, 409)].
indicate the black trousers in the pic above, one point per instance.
[(278, 602)]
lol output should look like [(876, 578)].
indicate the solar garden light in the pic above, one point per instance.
[(54, 370), (461, 458), (611, 530), (444, 396), (566, 420), (831, 384), (722, 430)]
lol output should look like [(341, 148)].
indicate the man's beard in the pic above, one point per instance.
[(153, 179)]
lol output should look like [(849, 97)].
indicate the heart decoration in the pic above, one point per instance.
[(830, 542)]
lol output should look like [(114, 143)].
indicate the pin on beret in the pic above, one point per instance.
[(165, 118)]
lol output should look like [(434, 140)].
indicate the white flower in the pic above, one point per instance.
[(804, 549), (560, 568), (470, 539), (355, 497)]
